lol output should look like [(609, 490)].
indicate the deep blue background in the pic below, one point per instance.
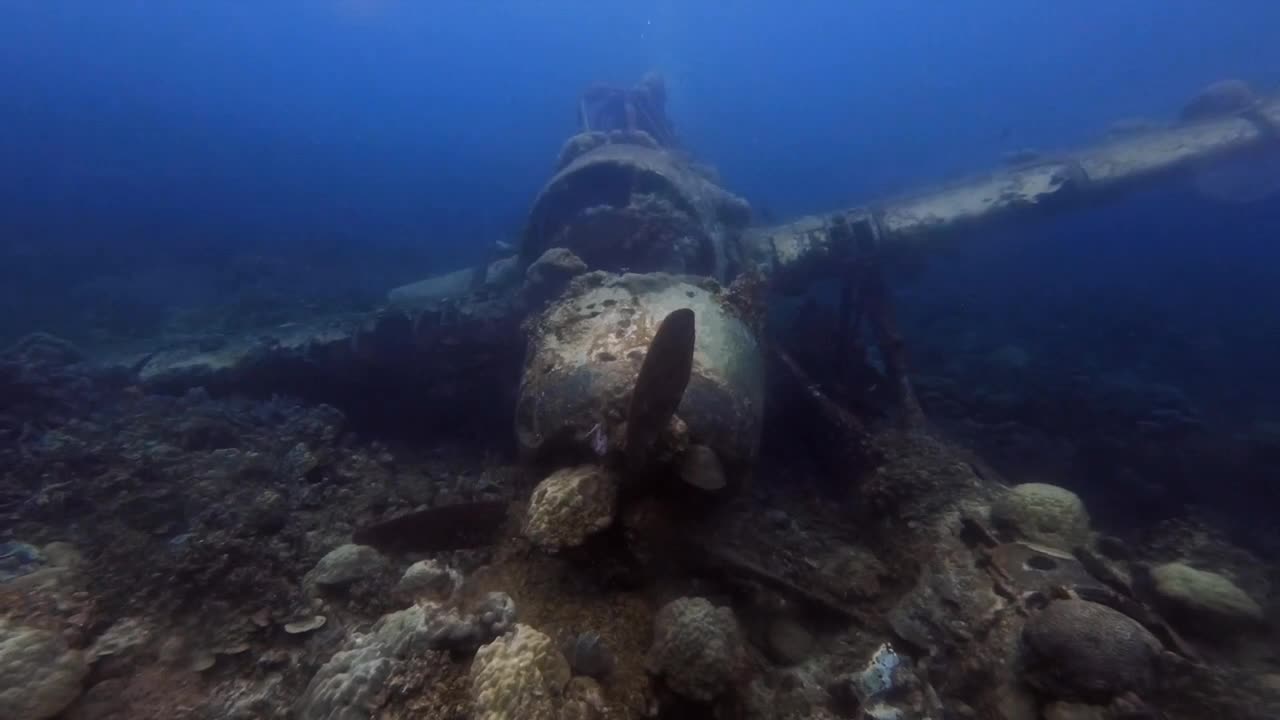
[(142, 125), (365, 143)]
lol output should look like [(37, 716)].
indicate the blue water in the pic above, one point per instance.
[(431, 125), (180, 176), (156, 154)]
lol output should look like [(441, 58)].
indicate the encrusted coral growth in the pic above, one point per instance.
[(345, 687), (697, 648), (519, 675), (429, 579), (570, 505)]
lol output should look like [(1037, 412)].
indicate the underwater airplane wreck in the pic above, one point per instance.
[(626, 339)]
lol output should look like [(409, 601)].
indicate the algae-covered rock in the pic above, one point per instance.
[(518, 675), (39, 675), (697, 648), (1046, 514), (1204, 595), (1080, 649), (548, 276), (570, 505), (346, 564), (951, 596)]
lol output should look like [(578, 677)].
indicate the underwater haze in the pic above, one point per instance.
[(683, 359), (374, 141)]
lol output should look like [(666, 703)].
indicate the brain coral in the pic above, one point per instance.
[(1076, 648), (1045, 514), (1204, 595)]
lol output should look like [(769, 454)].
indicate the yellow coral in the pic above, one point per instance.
[(569, 505), (519, 675)]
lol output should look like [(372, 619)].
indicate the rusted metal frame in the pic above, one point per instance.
[(859, 235)]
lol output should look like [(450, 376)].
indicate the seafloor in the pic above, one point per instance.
[(180, 555)]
